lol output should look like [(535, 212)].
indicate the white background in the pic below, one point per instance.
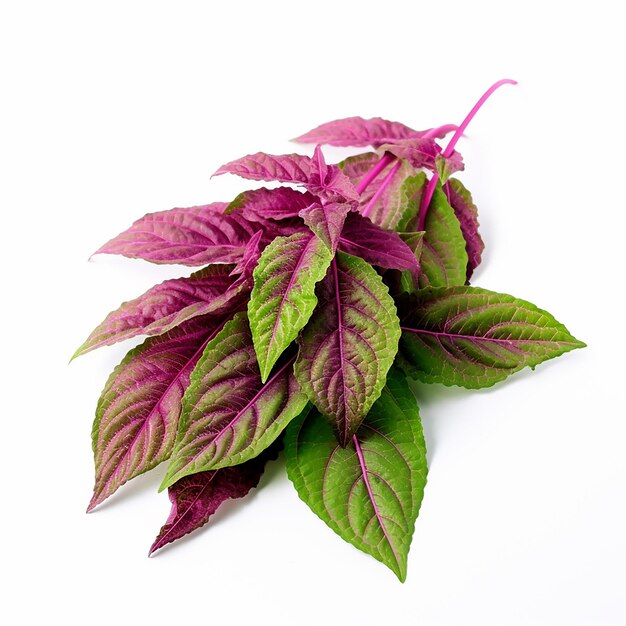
[(112, 109)]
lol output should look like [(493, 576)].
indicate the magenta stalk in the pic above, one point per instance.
[(447, 152)]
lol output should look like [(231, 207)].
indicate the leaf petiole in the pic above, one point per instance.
[(449, 149), (379, 192)]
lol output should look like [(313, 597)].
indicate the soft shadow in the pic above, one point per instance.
[(230, 507), (430, 396), (150, 481)]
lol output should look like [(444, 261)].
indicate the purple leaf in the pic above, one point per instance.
[(326, 220), (319, 178), (229, 415), (448, 165), (210, 290), (384, 200), (193, 236), (464, 208), (348, 345), (359, 132), (137, 414), (355, 167), (385, 248), (195, 498), (418, 152), (250, 258), (275, 204)]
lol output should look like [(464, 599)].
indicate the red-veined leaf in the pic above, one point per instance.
[(349, 344), (320, 179), (359, 132), (137, 414), (466, 212), (474, 338), (283, 296), (193, 236), (385, 248), (164, 306), (195, 498), (369, 492), (275, 204), (229, 415)]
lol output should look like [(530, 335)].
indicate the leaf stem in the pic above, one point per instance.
[(386, 182), (449, 149), (385, 160), (434, 132)]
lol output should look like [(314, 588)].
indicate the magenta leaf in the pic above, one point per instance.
[(229, 415), (137, 414), (320, 179), (195, 498), (466, 212), (210, 290), (357, 166), (446, 166), (326, 220), (418, 152), (359, 132), (383, 201), (193, 236), (348, 345), (275, 204), (385, 248), (249, 260)]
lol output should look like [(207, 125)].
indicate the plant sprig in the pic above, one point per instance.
[(310, 312)]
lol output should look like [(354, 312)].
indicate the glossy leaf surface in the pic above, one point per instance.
[(474, 338), (229, 416), (349, 345), (369, 492)]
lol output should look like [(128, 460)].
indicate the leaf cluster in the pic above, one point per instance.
[(314, 305)]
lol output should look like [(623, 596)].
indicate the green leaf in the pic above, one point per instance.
[(415, 241), (229, 416), (444, 168), (283, 296), (444, 258), (474, 338), (349, 344), (138, 411), (370, 492), (412, 191)]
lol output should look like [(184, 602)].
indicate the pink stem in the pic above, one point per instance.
[(426, 198), (386, 182), (385, 160), (434, 132), (432, 183)]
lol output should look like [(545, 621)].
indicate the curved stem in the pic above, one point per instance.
[(385, 160), (426, 198), (386, 182), (439, 130), (449, 149), (468, 118)]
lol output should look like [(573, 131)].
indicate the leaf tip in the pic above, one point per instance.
[(167, 481), (93, 503), (76, 354), (153, 548)]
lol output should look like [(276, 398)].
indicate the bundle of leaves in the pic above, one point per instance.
[(312, 309)]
